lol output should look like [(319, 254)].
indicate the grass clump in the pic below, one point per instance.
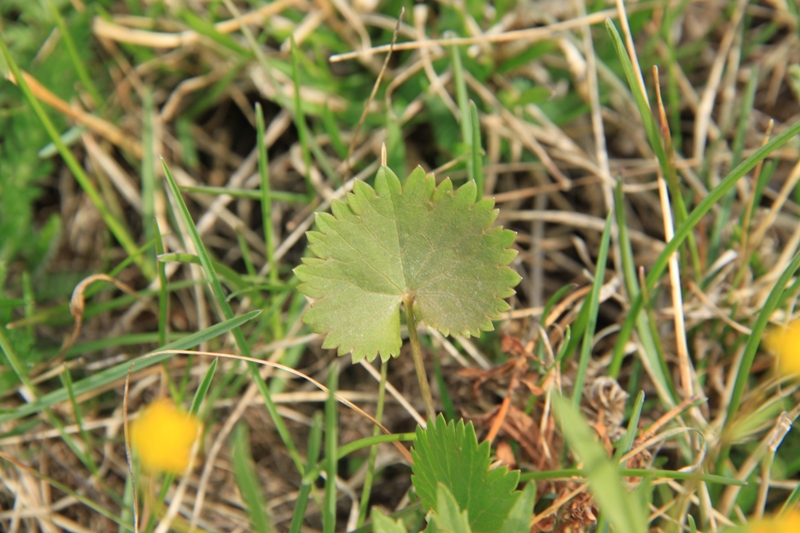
[(164, 164)]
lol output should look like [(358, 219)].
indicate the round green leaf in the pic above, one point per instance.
[(395, 244)]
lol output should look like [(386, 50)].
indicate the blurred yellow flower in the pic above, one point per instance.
[(785, 342), (788, 523), (163, 436)]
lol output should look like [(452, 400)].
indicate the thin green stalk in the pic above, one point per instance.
[(463, 110), (419, 366), (367, 442), (373, 451), (331, 444), (117, 372), (66, 380), (247, 481), (477, 150), (227, 313), (593, 303), (312, 473), (148, 169), (743, 372), (266, 213), (247, 194), (249, 266), (266, 194), (663, 154), (163, 294), (646, 473), (647, 335)]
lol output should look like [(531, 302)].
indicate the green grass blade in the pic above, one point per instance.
[(266, 194), (630, 435), (331, 445), (654, 137), (373, 451), (202, 389), (15, 362), (163, 293), (660, 264), (148, 170), (246, 479), (603, 475), (204, 27), (248, 194), (753, 341), (593, 303), (227, 312), (477, 149), (647, 336), (463, 111), (333, 131), (86, 458), (649, 473), (312, 472), (104, 377), (791, 501)]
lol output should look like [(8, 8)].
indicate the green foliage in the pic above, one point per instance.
[(519, 519), (383, 524), (247, 480), (26, 26), (395, 244), (604, 476), (448, 516), (449, 455)]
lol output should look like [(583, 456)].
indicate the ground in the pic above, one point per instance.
[(634, 125)]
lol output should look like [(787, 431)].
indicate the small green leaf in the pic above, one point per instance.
[(449, 454), (448, 517), (394, 244), (383, 524), (519, 519)]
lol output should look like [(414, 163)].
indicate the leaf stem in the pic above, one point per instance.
[(416, 352)]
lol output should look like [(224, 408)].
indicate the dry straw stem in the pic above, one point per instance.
[(124, 33), (531, 34), (684, 363), (77, 305), (96, 124)]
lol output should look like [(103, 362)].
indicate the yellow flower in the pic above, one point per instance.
[(788, 523), (786, 343), (163, 436)]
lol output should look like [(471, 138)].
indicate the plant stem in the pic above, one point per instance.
[(416, 352)]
